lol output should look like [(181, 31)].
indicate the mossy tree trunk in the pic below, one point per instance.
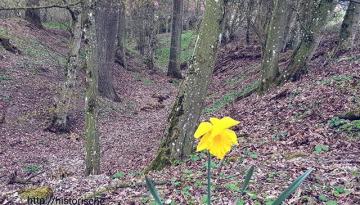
[(121, 37), (178, 140), (312, 23), (275, 35), (349, 27), (60, 121), (106, 20), (92, 144), (175, 47), (33, 15)]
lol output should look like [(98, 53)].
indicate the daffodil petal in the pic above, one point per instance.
[(215, 121), (227, 122), (203, 128), (232, 136), (203, 144)]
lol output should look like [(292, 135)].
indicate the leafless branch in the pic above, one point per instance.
[(65, 6)]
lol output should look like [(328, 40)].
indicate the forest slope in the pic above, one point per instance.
[(283, 132)]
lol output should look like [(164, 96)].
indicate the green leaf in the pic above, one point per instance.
[(331, 202), (118, 175), (232, 187), (153, 190), (293, 186), (248, 176), (323, 198), (321, 148), (240, 202)]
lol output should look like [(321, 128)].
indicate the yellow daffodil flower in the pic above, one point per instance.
[(216, 137)]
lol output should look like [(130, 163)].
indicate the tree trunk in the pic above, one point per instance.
[(293, 37), (249, 12), (312, 24), (106, 31), (175, 48), (263, 20), (349, 27), (289, 18), (274, 38), (33, 15), (121, 37), (178, 139), (92, 144), (150, 34), (60, 122)]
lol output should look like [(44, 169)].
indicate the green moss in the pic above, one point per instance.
[(230, 97), (350, 127), (57, 25), (162, 53), (43, 192)]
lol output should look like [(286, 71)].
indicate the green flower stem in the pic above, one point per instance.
[(209, 180)]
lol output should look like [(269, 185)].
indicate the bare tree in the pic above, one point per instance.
[(60, 121), (92, 142), (312, 23), (175, 48), (349, 27), (121, 37), (106, 19), (275, 34)]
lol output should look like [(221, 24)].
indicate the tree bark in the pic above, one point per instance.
[(92, 143), (106, 30), (249, 12), (178, 140), (275, 34), (60, 121), (349, 27), (150, 34), (33, 15), (121, 37), (263, 20), (312, 23), (175, 48), (289, 19)]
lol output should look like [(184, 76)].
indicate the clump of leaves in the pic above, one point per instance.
[(320, 148), (337, 80), (331, 202), (280, 136), (118, 175), (336, 122), (4, 78), (251, 154), (234, 187), (340, 190), (32, 168), (347, 126)]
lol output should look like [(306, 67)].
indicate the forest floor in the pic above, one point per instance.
[(283, 133)]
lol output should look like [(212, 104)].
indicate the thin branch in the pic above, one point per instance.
[(65, 6)]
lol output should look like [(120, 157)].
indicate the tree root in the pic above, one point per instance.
[(8, 46)]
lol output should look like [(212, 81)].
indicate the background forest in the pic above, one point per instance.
[(96, 94)]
